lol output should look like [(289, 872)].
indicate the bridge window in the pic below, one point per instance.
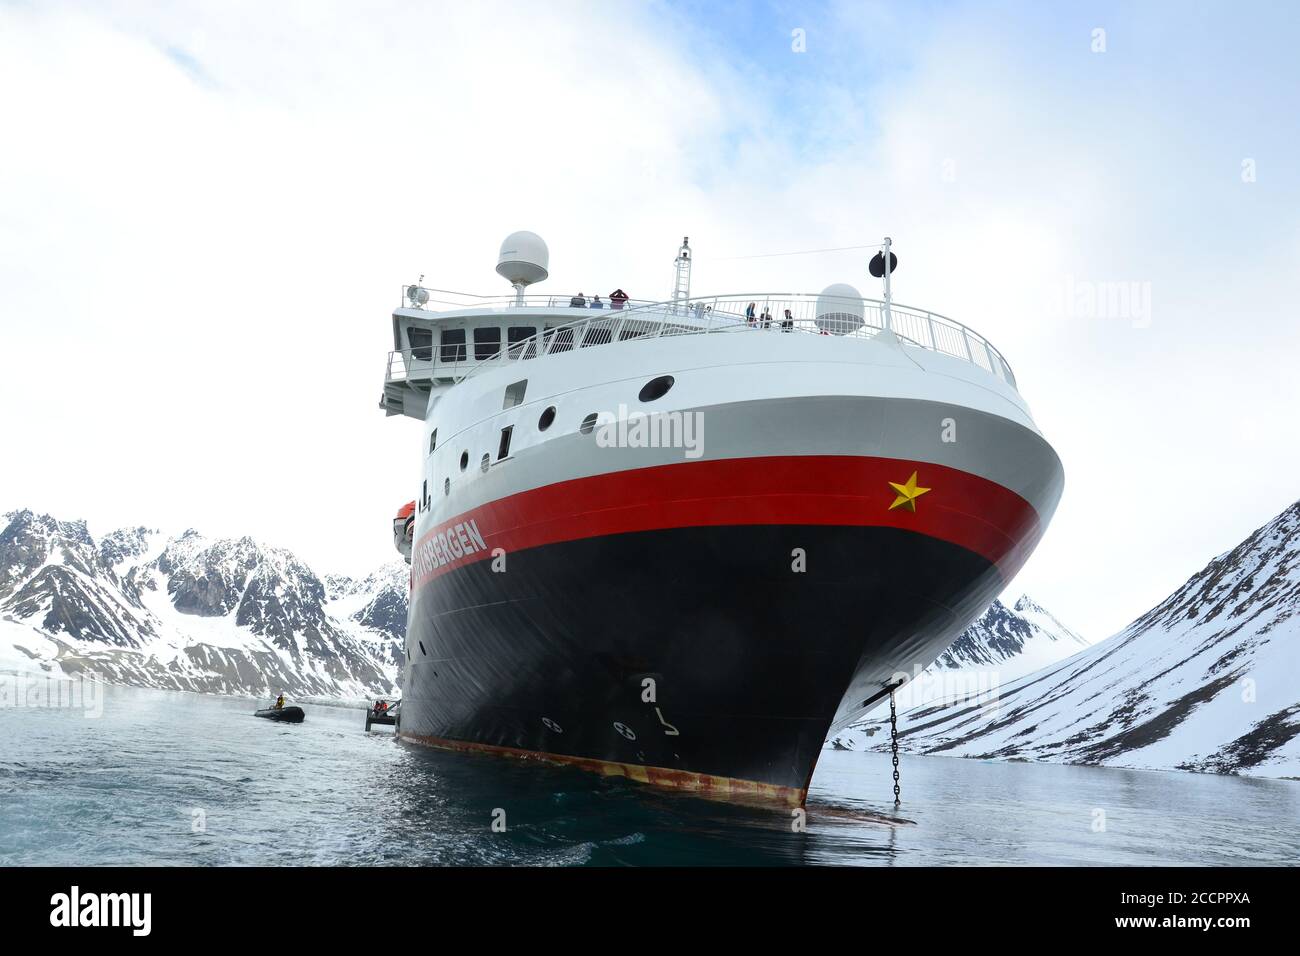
[(515, 393), (487, 343), (453, 345), (517, 341), (421, 343)]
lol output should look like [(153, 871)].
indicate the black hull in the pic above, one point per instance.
[(749, 658)]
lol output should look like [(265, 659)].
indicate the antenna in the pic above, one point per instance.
[(682, 275)]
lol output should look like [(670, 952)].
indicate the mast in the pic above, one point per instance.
[(889, 319), (682, 275)]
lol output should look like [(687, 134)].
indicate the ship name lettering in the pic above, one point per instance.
[(444, 547)]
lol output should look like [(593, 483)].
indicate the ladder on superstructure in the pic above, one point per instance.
[(682, 274)]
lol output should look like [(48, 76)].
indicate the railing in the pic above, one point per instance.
[(772, 313), (425, 299)]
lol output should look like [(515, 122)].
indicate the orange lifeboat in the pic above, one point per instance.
[(404, 530)]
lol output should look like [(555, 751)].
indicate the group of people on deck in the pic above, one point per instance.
[(764, 320), (616, 300)]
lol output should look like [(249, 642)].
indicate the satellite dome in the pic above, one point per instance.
[(524, 259), (840, 309)]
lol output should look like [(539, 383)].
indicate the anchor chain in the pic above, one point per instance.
[(893, 744)]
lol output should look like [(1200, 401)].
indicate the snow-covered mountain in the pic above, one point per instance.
[(1003, 645), (1208, 680), (1014, 641), (188, 612)]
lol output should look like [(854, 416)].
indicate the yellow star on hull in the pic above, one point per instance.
[(908, 492)]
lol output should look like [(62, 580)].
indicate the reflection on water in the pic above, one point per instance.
[(183, 779)]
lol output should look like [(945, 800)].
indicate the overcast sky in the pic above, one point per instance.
[(207, 210)]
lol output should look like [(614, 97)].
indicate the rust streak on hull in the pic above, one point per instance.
[(726, 788)]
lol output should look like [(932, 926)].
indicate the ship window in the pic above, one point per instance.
[(487, 343), (656, 388), (464, 460), (424, 495), (548, 416), (503, 450), (630, 334), (517, 337), (597, 336), (421, 343), (485, 463), (588, 424), (446, 486), (563, 340), (422, 650), (453, 345), (515, 393), (433, 440)]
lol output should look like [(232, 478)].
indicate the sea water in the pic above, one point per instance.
[(168, 778)]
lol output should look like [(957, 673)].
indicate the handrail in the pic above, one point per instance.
[(785, 312), (422, 298)]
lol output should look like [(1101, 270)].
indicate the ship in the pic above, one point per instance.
[(682, 540)]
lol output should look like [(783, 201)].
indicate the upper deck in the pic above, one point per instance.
[(448, 337)]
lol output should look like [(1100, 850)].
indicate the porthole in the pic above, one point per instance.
[(588, 424), (446, 486), (656, 388), (464, 460), (548, 416), (486, 463)]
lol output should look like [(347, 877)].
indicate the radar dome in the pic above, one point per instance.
[(524, 259), (840, 309)]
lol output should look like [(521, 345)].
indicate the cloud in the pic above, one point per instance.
[(216, 205)]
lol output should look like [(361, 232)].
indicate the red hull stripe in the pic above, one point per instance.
[(961, 508)]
